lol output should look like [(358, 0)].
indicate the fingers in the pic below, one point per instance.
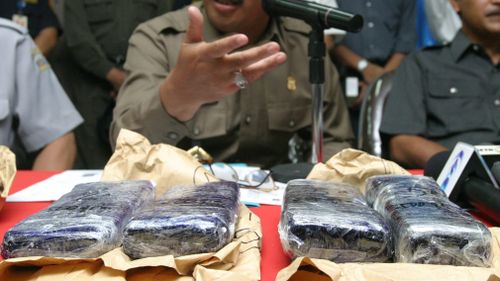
[(239, 60), (221, 47), (256, 70), (195, 30)]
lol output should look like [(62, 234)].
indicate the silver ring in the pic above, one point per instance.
[(240, 80)]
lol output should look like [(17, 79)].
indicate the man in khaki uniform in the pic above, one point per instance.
[(185, 84), (89, 64)]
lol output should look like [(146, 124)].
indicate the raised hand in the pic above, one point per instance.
[(205, 71)]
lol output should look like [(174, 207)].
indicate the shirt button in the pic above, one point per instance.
[(371, 25), (497, 102), (248, 119), (368, 4), (291, 124), (196, 131), (453, 90), (475, 47), (172, 135)]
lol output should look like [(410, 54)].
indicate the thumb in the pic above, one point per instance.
[(195, 31)]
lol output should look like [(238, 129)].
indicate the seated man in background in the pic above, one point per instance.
[(33, 105), (218, 79), (38, 17), (450, 93)]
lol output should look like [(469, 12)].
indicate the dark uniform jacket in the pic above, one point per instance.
[(447, 94), (255, 124), (97, 31)]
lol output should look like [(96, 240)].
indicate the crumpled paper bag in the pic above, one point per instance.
[(136, 158), (7, 172), (165, 165), (305, 269), (354, 167)]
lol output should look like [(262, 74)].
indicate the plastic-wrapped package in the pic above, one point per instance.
[(383, 188), (332, 221), (188, 220), (426, 226), (85, 223)]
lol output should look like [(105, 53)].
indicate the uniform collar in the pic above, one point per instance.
[(461, 45), (210, 34), (274, 32)]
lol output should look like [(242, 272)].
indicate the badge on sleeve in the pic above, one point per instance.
[(22, 20), (39, 59)]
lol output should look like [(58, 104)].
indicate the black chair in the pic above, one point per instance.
[(370, 115)]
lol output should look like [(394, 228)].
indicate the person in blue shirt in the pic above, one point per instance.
[(388, 35), (33, 106)]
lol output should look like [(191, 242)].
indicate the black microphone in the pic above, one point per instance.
[(314, 14), (436, 163), (473, 188), (483, 196)]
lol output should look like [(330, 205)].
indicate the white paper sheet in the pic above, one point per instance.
[(253, 197), (54, 187)]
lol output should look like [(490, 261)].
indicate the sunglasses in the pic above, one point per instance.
[(246, 178), (252, 179)]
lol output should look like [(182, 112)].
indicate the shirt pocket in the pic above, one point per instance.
[(289, 119), (456, 105), (210, 121), (145, 9), (98, 11), (294, 111)]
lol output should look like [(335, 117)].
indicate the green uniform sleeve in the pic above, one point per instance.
[(82, 42)]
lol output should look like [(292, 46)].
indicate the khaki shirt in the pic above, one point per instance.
[(255, 124)]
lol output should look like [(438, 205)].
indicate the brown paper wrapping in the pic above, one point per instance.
[(7, 172), (306, 269), (354, 167), (166, 165), (135, 158)]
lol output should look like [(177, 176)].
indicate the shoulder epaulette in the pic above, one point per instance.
[(437, 46), (4, 23), (295, 25)]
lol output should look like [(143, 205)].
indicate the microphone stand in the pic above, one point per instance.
[(316, 51)]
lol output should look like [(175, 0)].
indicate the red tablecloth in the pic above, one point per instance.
[(273, 258)]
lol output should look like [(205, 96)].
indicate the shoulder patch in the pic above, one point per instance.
[(10, 25), (295, 25), (40, 61)]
